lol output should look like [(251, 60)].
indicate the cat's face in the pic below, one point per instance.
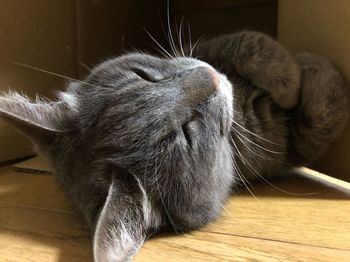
[(146, 113)]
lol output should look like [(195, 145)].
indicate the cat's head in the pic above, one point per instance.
[(133, 107), (165, 121), (140, 107)]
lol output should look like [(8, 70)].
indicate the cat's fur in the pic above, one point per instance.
[(294, 106), (144, 144)]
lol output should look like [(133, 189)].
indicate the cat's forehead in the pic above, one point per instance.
[(138, 60), (138, 68)]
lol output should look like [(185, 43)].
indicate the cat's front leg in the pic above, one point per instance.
[(257, 58)]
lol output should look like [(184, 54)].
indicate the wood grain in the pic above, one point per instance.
[(37, 223), (204, 246)]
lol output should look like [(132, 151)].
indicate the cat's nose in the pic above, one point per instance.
[(199, 84)]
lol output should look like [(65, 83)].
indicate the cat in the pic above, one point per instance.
[(145, 144)]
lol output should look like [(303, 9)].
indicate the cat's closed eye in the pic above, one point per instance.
[(144, 75)]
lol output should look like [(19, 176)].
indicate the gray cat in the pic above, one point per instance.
[(146, 144)]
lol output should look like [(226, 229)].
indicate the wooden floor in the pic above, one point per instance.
[(37, 224)]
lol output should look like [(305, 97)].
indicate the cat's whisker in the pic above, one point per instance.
[(177, 32), (252, 133), (242, 178), (195, 44), (180, 36), (248, 164), (256, 144), (275, 187), (247, 146), (238, 172), (245, 182), (166, 35), (171, 39), (80, 62), (253, 151), (164, 51), (226, 210), (250, 149), (189, 39), (85, 66), (237, 150), (48, 72)]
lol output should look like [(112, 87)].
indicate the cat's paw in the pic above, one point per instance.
[(323, 94), (323, 109), (266, 64)]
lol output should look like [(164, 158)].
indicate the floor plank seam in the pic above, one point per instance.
[(61, 211), (35, 234), (276, 240)]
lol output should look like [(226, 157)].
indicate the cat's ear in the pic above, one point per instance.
[(39, 120), (122, 224)]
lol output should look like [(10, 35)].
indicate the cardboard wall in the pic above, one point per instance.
[(321, 27), (59, 36), (37, 33), (209, 18), (106, 28)]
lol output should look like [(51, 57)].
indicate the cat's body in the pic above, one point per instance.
[(145, 144)]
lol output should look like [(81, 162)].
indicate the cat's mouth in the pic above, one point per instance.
[(215, 110)]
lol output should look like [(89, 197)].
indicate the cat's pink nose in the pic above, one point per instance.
[(199, 84), (215, 77)]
